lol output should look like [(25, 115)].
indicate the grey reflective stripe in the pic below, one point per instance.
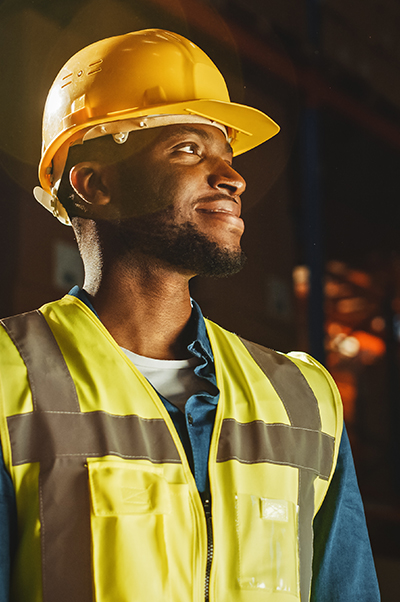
[(309, 448), (59, 436), (64, 502), (255, 442), (49, 378), (306, 533), (290, 384), (65, 531), (40, 436)]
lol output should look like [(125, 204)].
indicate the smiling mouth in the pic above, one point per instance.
[(224, 210), (221, 204)]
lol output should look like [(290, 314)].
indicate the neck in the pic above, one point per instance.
[(145, 306)]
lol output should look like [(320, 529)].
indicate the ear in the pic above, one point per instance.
[(90, 182)]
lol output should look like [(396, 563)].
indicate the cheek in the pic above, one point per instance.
[(174, 189), (141, 191), (150, 187), (184, 186)]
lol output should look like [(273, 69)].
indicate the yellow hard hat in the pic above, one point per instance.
[(141, 79)]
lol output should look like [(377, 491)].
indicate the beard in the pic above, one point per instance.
[(182, 245)]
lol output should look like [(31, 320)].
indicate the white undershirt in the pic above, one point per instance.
[(173, 379)]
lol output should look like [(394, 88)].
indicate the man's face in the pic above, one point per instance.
[(179, 200)]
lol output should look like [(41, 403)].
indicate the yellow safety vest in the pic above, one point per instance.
[(108, 508)]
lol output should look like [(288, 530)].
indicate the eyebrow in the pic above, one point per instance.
[(187, 129)]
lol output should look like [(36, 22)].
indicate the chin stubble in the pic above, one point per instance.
[(183, 246)]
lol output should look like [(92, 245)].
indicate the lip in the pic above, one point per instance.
[(220, 203), (224, 208)]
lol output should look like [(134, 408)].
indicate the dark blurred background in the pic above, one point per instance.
[(322, 208)]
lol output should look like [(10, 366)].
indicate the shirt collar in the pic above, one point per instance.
[(200, 339), (82, 295)]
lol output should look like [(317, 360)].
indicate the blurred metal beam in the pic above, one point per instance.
[(309, 78)]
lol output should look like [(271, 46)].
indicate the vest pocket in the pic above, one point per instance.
[(129, 518), (127, 490), (266, 532)]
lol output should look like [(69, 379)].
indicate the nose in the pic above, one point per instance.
[(223, 177)]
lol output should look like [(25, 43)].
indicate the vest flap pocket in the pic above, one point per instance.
[(266, 532), (119, 488)]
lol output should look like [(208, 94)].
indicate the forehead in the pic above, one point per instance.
[(141, 143), (206, 133)]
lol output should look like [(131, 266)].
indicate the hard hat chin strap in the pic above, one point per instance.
[(52, 204)]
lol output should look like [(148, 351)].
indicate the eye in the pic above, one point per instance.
[(190, 148)]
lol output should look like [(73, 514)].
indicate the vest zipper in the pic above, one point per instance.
[(210, 548)]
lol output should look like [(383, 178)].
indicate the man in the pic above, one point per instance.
[(152, 454)]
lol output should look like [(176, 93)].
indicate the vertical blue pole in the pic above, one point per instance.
[(312, 203), (313, 21), (313, 229)]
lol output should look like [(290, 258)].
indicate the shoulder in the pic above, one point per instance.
[(296, 365), (295, 376), (299, 369)]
